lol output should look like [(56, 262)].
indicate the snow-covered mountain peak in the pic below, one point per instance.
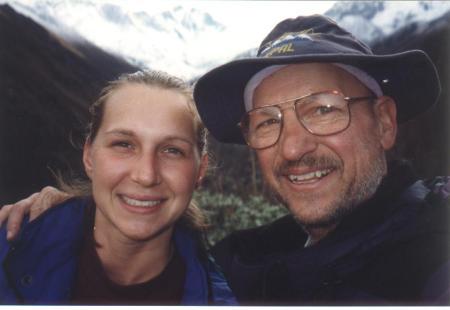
[(188, 38), (150, 38), (369, 20)]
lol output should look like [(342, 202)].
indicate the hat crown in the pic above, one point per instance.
[(314, 34)]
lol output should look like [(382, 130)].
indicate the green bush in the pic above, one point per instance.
[(230, 212)]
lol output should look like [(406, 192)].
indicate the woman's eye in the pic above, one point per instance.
[(174, 151), (122, 145)]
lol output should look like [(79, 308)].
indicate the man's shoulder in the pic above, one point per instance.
[(439, 190), (434, 210), (416, 248)]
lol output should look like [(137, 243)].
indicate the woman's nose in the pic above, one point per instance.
[(145, 170)]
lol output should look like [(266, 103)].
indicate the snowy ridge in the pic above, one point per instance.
[(187, 41), (371, 20), (164, 39)]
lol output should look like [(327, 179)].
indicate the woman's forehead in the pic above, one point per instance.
[(147, 108), (151, 94)]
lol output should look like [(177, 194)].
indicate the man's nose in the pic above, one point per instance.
[(145, 170), (295, 140)]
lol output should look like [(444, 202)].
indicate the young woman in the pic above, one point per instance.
[(131, 235)]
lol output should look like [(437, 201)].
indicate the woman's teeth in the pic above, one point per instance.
[(141, 203), (309, 176)]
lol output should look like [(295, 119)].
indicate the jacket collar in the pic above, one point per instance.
[(204, 282), (196, 286), (400, 176)]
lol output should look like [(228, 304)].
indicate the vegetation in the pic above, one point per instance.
[(229, 212), (234, 195)]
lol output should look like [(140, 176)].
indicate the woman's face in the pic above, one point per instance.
[(144, 162)]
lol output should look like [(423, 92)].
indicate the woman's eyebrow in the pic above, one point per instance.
[(130, 133), (122, 132), (182, 139)]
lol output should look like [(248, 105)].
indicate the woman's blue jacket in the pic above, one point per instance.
[(39, 267)]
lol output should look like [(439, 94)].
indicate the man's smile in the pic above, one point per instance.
[(311, 176)]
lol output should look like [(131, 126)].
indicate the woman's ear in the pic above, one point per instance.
[(203, 169), (386, 113), (87, 158)]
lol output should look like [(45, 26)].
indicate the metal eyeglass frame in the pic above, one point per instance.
[(294, 101)]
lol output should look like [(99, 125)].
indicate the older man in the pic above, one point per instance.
[(320, 111)]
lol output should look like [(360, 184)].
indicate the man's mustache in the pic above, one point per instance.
[(311, 161)]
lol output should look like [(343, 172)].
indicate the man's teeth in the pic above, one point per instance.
[(141, 203), (309, 176)]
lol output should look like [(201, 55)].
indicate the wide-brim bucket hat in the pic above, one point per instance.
[(410, 77)]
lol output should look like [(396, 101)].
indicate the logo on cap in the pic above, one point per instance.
[(283, 44)]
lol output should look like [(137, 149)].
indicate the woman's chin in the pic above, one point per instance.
[(144, 234)]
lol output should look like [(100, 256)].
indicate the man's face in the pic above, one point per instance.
[(321, 178)]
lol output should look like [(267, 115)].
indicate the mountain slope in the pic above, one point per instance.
[(426, 139), (47, 85), (168, 39)]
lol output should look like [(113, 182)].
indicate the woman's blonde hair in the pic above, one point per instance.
[(192, 217)]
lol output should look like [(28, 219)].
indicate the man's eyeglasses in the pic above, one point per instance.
[(322, 114)]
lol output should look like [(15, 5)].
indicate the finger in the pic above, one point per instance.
[(48, 197), (16, 214), (4, 213), (14, 220)]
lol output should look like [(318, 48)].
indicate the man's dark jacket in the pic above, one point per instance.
[(393, 249)]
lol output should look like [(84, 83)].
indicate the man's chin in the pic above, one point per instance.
[(315, 210), (316, 221)]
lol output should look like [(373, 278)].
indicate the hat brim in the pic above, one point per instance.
[(410, 78)]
